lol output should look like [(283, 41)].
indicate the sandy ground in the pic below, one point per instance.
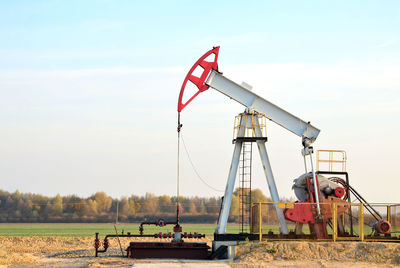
[(319, 254), (79, 252)]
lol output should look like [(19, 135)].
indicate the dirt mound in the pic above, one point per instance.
[(378, 253)]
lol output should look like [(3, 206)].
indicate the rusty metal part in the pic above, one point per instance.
[(181, 250), (302, 211), (318, 228), (106, 242), (342, 206)]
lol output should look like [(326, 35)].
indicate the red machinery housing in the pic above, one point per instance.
[(305, 211)]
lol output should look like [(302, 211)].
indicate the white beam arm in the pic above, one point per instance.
[(251, 100)]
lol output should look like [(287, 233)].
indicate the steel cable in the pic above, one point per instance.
[(194, 168)]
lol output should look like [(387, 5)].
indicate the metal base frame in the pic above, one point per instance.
[(292, 236), (168, 250)]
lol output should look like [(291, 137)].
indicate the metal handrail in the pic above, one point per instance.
[(331, 160), (335, 237)]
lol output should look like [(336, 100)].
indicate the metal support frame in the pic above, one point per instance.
[(334, 222), (361, 221), (259, 222), (271, 181), (226, 203), (227, 200)]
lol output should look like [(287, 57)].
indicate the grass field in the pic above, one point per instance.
[(88, 229)]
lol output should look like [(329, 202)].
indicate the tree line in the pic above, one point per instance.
[(29, 207)]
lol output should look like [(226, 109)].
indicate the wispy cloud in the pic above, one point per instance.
[(388, 43)]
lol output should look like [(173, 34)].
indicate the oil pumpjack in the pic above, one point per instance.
[(315, 193)]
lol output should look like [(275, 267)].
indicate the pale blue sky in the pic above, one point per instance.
[(88, 90), (103, 34)]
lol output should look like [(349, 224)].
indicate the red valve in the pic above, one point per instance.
[(177, 228), (199, 81), (106, 243), (96, 243), (339, 192)]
